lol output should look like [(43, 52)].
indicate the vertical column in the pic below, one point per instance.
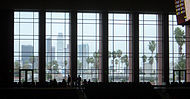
[(73, 44), (130, 47), (165, 48), (187, 31), (42, 47), (135, 47), (104, 45), (159, 54), (100, 49), (7, 49)]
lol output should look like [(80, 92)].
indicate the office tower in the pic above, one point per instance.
[(50, 51), (60, 49), (83, 53), (27, 53)]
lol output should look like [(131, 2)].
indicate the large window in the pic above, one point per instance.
[(57, 45), (150, 42), (177, 49), (120, 47), (88, 45), (26, 46)]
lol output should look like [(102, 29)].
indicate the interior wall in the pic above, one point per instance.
[(115, 5), (6, 38)]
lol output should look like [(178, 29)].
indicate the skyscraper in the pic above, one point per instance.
[(27, 53), (83, 53), (50, 51), (60, 49)]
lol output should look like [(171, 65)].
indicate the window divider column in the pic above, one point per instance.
[(165, 48), (135, 47), (104, 45), (42, 47), (187, 31), (159, 54), (73, 45)]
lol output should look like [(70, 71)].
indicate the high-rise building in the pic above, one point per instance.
[(60, 49), (27, 53), (83, 53), (50, 51)]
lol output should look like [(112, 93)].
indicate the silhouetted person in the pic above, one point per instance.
[(54, 82), (89, 81), (84, 82), (68, 80), (64, 83), (78, 80)]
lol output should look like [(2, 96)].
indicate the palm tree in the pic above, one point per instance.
[(53, 65), (156, 57), (119, 54), (16, 68), (110, 54), (180, 38), (95, 61), (144, 57), (151, 60), (16, 65), (65, 63), (114, 54), (79, 64), (116, 62), (88, 61), (124, 59), (181, 63), (26, 65), (92, 60), (152, 47)]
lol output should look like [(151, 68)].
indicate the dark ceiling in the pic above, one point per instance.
[(116, 5)]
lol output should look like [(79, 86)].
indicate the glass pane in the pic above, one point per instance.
[(29, 76), (23, 77), (177, 47), (25, 42), (57, 46), (88, 46), (119, 48), (150, 52)]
